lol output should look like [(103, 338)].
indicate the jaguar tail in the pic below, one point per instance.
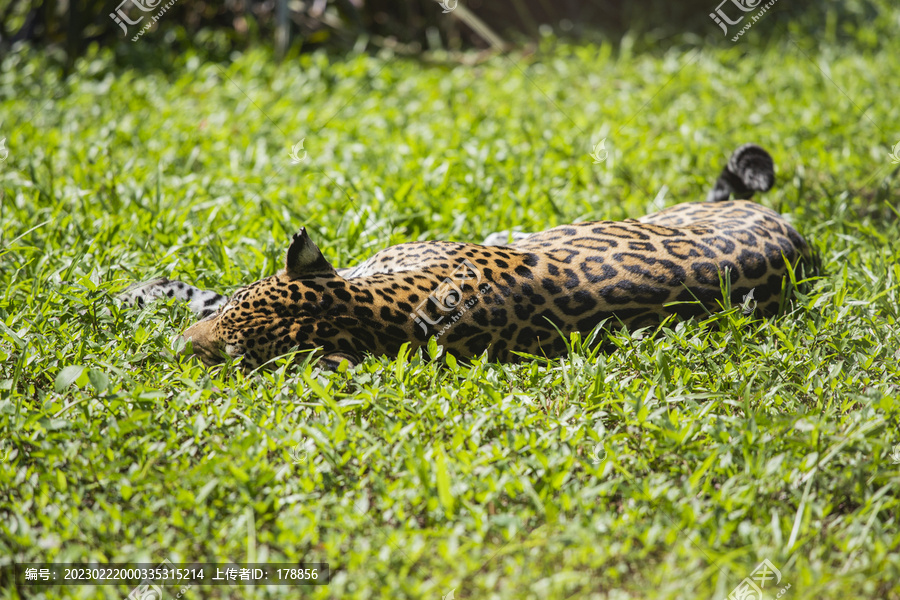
[(750, 169)]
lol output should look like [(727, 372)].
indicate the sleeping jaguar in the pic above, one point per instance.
[(505, 298)]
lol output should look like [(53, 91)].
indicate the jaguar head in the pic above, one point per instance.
[(303, 307)]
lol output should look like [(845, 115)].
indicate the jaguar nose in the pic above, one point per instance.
[(203, 343)]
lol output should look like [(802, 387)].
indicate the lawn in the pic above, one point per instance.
[(669, 468)]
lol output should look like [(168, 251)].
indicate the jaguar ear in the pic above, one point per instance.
[(305, 259)]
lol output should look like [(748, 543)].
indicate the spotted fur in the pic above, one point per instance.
[(517, 297)]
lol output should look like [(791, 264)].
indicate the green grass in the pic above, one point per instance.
[(724, 441)]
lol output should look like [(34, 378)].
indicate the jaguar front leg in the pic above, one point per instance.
[(201, 302)]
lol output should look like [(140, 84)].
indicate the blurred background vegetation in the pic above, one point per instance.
[(69, 28)]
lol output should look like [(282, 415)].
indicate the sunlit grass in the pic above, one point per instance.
[(666, 469)]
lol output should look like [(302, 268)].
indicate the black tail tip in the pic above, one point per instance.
[(750, 169), (754, 166)]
